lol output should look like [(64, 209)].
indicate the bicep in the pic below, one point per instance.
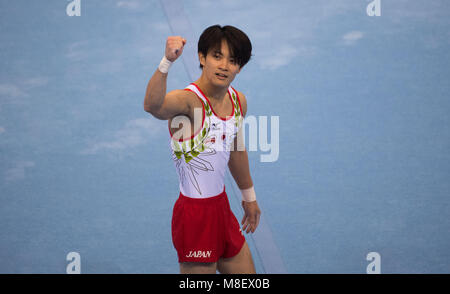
[(238, 163), (237, 150), (243, 101), (238, 142), (175, 102)]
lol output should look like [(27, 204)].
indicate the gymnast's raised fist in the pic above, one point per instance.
[(174, 47)]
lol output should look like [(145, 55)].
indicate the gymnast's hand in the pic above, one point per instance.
[(174, 47), (251, 217)]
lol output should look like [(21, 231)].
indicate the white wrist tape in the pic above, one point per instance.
[(164, 65), (248, 195)]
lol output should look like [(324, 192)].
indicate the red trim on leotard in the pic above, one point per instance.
[(239, 100), (232, 104), (203, 120)]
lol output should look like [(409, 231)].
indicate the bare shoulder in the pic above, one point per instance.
[(243, 101)]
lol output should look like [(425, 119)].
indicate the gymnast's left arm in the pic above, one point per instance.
[(240, 170)]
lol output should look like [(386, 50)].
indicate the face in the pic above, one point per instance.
[(219, 67)]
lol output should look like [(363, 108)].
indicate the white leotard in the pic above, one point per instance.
[(201, 161)]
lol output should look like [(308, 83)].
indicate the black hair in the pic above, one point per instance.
[(238, 42)]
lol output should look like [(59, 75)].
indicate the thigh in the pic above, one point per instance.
[(242, 263), (198, 267)]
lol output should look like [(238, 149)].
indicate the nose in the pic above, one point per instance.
[(223, 65)]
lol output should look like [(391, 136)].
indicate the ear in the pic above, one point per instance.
[(202, 59)]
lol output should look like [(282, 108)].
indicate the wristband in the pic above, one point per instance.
[(249, 195), (164, 65)]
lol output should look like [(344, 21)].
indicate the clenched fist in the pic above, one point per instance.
[(174, 47)]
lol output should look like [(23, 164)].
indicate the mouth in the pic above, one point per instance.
[(221, 76)]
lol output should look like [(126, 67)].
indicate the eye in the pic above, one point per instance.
[(233, 61)]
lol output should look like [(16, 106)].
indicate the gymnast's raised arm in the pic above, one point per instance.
[(161, 105)]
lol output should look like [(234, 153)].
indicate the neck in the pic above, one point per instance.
[(210, 90)]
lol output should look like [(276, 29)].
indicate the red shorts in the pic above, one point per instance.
[(204, 230)]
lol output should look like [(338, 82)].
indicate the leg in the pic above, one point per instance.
[(198, 267), (242, 263)]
